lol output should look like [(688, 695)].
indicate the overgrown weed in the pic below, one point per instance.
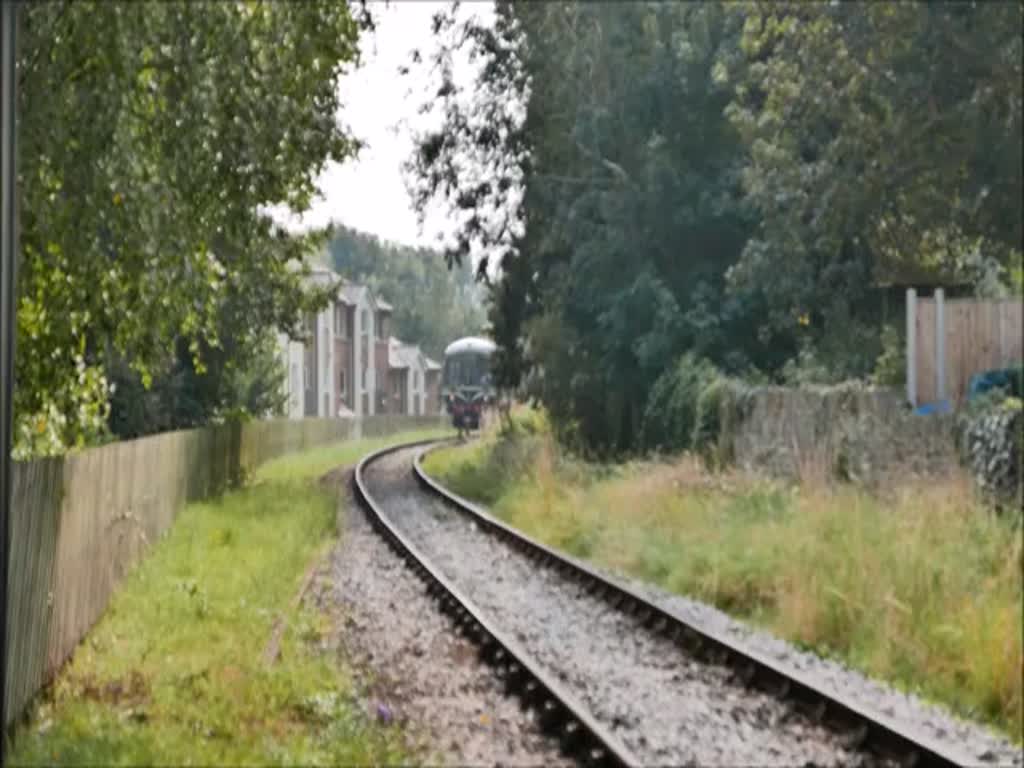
[(920, 586)]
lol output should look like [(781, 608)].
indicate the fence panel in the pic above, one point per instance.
[(81, 522), (34, 530), (978, 335)]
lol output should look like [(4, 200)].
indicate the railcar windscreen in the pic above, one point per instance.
[(465, 370)]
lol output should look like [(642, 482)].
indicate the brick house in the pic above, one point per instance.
[(352, 366), (356, 315), (382, 327), (333, 375), (310, 367), (407, 380)]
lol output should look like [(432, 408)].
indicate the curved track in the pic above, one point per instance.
[(558, 712), (566, 713)]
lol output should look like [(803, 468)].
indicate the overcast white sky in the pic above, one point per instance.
[(369, 193)]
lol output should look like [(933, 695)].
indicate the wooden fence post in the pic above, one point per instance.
[(912, 347), (940, 345)]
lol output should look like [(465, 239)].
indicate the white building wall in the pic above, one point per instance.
[(357, 352), (325, 404), (364, 332), (291, 353), (371, 374)]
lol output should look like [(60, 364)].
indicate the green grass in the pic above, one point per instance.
[(922, 588), (173, 673), (317, 461)]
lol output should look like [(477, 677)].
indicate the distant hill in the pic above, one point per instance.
[(433, 305)]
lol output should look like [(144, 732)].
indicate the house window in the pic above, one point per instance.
[(305, 376), (364, 378), (341, 382), (365, 315), (415, 379), (339, 322), (295, 383)]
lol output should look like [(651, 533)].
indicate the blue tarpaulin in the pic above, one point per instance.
[(927, 409)]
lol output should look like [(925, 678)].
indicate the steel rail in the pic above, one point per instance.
[(558, 712), (869, 731)]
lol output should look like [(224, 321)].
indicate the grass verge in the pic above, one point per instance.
[(922, 589), (173, 673)]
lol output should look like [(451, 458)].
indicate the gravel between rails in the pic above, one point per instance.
[(988, 747), (421, 675), (664, 706)]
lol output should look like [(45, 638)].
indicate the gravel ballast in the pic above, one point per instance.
[(665, 707), (413, 669), (482, 570)]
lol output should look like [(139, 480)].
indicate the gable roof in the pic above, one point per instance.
[(351, 293), (402, 355)]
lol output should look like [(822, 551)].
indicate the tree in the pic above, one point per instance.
[(883, 143), (725, 180), (629, 212), (151, 136)]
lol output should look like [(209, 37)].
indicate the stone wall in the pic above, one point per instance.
[(864, 434)]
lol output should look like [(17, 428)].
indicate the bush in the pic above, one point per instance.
[(717, 411), (993, 446), (671, 411), (891, 366)]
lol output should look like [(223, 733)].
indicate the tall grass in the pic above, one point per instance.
[(921, 588), (174, 674)]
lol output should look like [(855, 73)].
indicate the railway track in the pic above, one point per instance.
[(744, 701)]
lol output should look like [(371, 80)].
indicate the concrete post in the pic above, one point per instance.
[(912, 347), (940, 344)]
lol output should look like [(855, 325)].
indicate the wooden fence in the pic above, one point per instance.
[(79, 523), (950, 340)]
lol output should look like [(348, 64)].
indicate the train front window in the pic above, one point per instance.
[(465, 370)]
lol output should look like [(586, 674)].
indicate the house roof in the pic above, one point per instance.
[(384, 306), (322, 275), (432, 365), (402, 355), (351, 293)]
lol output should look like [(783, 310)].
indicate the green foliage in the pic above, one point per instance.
[(630, 212), (992, 442), (715, 418), (732, 180), (311, 464), (240, 380), (891, 366), (807, 368), (151, 135), (433, 305), (883, 142), (670, 419)]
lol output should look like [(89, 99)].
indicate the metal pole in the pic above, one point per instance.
[(8, 255)]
